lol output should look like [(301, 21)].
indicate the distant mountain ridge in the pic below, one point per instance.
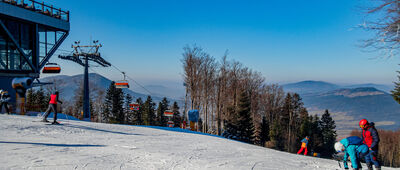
[(385, 88), (69, 84), (348, 104), (309, 86), (356, 92)]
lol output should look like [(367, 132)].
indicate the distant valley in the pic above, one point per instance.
[(349, 104)]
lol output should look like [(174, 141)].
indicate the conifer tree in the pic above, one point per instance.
[(127, 109), (107, 106), (316, 138), (138, 118), (328, 131), (42, 100), (113, 105), (304, 124), (264, 133), (230, 124), (30, 98), (245, 125), (162, 107), (276, 135), (177, 115), (118, 109), (285, 120), (148, 112)]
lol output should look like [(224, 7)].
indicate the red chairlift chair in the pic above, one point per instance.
[(51, 68), (122, 84), (134, 106)]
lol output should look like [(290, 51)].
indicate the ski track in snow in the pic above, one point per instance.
[(25, 144)]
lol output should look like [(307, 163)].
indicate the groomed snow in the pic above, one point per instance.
[(25, 144)]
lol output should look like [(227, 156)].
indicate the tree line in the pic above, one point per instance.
[(234, 101), (116, 109), (111, 106)]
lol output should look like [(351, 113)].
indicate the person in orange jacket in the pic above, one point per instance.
[(52, 107), (304, 144)]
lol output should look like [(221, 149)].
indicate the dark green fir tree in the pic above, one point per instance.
[(177, 115), (245, 127), (162, 107), (149, 117), (113, 105), (129, 116), (138, 114), (264, 133), (328, 126)]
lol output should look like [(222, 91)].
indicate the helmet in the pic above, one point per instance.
[(339, 147), (363, 123)]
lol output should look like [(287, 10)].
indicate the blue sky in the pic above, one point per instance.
[(287, 41)]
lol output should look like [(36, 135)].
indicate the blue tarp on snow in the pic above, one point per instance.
[(59, 115)]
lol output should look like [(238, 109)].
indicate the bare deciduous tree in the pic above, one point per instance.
[(383, 19)]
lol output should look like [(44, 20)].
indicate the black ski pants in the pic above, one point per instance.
[(6, 106), (52, 107)]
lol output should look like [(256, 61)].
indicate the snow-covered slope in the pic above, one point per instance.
[(25, 144)]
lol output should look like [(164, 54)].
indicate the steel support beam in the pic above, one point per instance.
[(3, 64), (86, 100), (53, 50), (72, 58)]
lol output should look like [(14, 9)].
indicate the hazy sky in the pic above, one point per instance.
[(286, 41)]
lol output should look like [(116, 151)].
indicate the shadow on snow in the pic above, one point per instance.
[(53, 144), (176, 129), (100, 130)]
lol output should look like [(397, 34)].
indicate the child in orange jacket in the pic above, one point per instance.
[(304, 144)]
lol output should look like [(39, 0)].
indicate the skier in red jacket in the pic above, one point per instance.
[(371, 139), (53, 107)]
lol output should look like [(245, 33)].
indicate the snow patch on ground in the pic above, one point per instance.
[(25, 144)]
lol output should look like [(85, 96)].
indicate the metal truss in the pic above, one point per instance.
[(53, 50), (11, 37), (35, 68)]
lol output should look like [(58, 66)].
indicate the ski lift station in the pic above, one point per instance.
[(30, 33)]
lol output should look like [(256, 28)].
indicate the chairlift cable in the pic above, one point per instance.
[(133, 80), (122, 72)]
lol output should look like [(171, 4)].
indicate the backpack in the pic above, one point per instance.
[(355, 140)]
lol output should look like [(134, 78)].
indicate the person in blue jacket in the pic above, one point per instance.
[(353, 148)]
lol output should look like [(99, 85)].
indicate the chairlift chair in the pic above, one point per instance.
[(170, 123), (122, 84), (51, 68), (134, 106), (168, 113)]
